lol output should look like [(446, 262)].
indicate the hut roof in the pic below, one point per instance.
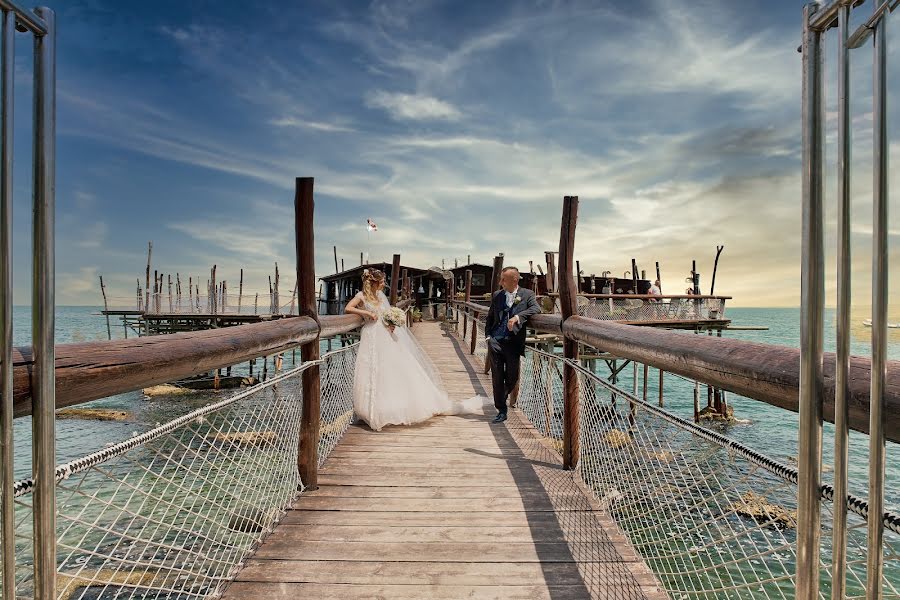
[(356, 272)]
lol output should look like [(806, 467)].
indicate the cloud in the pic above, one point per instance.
[(314, 125), (412, 106)]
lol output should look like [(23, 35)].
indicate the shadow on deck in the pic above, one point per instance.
[(453, 508)]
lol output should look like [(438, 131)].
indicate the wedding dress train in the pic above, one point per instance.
[(395, 383)]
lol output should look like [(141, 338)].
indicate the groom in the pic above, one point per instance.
[(511, 307)]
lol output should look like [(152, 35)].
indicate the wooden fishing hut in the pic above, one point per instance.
[(338, 289)]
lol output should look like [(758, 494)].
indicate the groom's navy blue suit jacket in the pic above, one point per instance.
[(525, 308)]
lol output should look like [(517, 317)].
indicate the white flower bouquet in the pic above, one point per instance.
[(394, 317)]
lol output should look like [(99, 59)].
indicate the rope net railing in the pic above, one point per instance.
[(642, 309), (174, 512), (711, 517)]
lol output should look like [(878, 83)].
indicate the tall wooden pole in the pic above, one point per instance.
[(308, 456), (634, 276), (712, 287), (658, 278), (335, 260), (360, 259), (495, 274), (468, 299), (404, 281), (147, 282), (395, 274), (578, 276), (568, 304), (240, 290), (552, 279), (106, 307)]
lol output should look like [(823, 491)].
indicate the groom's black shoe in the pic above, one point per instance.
[(499, 418)]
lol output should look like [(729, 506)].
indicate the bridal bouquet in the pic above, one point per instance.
[(394, 317)]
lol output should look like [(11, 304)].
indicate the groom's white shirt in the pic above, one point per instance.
[(510, 297)]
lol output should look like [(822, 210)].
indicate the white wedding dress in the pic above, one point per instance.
[(395, 383)]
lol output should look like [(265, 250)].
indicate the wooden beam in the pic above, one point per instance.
[(495, 273), (304, 210), (568, 293), (763, 372), (335, 261), (395, 274)]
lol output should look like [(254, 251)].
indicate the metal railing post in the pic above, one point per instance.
[(811, 325), (43, 298), (7, 504), (880, 156), (842, 358)]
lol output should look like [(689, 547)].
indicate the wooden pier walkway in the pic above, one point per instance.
[(454, 508)]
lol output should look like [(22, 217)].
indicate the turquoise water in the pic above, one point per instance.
[(770, 430)]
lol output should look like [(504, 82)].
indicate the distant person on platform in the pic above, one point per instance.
[(655, 291)]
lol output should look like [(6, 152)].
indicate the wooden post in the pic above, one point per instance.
[(578, 276), (191, 292), (240, 290), (634, 276), (170, 293), (712, 286), (147, 283), (468, 259), (277, 300), (294, 298), (140, 296), (495, 273), (552, 281), (308, 456), (474, 333), (696, 402), (646, 377), (658, 277), (256, 304), (568, 307), (395, 274), (361, 261), (468, 299), (661, 401), (212, 277), (106, 307), (404, 283)]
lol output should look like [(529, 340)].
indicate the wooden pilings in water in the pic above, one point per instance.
[(106, 307)]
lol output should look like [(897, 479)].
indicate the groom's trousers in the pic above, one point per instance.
[(504, 370)]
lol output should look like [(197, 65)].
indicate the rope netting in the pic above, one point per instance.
[(711, 517), (173, 512), (638, 309)]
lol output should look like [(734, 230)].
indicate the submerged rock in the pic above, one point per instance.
[(91, 583), (165, 389), (710, 414), (760, 509), (93, 414), (617, 438)]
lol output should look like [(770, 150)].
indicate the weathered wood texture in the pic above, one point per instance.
[(304, 210), (395, 274), (764, 372), (568, 291), (453, 508)]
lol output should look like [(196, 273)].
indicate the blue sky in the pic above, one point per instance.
[(457, 126)]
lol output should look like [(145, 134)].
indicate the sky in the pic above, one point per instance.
[(457, 127)]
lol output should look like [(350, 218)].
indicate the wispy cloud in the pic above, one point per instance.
[(414, 107), (313, 125)]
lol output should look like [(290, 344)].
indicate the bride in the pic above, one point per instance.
[(394, 383)]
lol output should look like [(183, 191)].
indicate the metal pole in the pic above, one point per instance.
[(7, 505), (880, 156), (812, 306), (842, 359)]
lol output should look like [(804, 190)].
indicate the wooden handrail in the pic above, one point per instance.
[(645, 296), (764, 372), (91, 370)]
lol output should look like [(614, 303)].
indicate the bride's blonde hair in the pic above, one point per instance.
[(371, 279)]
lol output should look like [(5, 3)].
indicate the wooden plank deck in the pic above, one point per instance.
[(453, 508)]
